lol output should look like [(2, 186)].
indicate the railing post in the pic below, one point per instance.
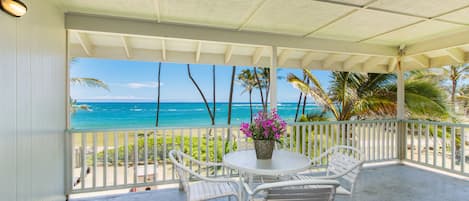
[(401, 141), (273, 79)]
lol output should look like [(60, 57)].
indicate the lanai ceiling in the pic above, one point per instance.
[(434, 31)]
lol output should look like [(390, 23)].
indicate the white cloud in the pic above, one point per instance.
[(138, 85), (116, 98)]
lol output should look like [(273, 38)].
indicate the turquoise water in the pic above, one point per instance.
[(143, 115)]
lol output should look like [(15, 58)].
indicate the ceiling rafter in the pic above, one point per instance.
[(127, 47), (457, 55), (157, 10), (197, 52), (372, 62), (339, 18), (257, 55), (85, 43), (307, 59), (392, 64), (228, 53), (163, 49), (329, 60), (284, 56), (251, 15), (354, 60), (422, 60)]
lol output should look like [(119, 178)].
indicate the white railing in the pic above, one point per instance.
[(116, 159), (437, 145)]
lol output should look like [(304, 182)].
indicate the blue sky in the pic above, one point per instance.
[(131, 81)]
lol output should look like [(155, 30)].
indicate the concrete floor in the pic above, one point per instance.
[(385, 183)]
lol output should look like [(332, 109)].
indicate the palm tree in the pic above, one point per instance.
[(247, 80), (455, 73), (158, 96), (210, 112), (88, 82), (359, 95), (463, 98)]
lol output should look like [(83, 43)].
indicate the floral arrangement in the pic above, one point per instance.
[(265, 127)]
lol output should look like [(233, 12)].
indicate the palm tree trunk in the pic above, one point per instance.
[(214, 95), (298, 106), (201, 94), (453, 94), (250, 102), (158, 101), (260, 90), (230, 102)]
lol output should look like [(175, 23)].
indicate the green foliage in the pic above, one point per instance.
[(207, 149)]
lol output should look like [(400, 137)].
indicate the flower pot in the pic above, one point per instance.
[(264, 149)]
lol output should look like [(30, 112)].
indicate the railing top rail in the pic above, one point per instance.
[(438, 123), (145, 129), (343, 122)]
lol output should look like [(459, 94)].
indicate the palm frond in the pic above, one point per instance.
[(89, 82)]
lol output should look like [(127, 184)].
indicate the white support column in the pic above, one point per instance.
[(273, 78), (400, 91)]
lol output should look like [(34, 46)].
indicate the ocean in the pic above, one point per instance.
[(143, 115)]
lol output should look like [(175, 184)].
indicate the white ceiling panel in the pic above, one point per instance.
[(419, 32), (145, 43), (364, 24), (461, 16), (226, 13), (294, 17), (105, 40), (427, 8)]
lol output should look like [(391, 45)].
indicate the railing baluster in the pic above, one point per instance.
[(116, 156), (126, 156), (315, 145), (173, 146), (215, 147), (207, 153), (378, 140), (105, 159), (222, 147), (443, 161), (342, 128), (463, 156), (369, 125), (164, 154), (199, 151), (320, 140), (135, 157), (155, 155), (297, 139), (435, 145), (326, 133), (303, 141), (419, 143), (190, 147), (310, 133), (427, 149), (453, 147), (95, 157), (83, 160), (145, 156), (412, 130)]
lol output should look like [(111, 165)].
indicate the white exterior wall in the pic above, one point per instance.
[(32, 104)]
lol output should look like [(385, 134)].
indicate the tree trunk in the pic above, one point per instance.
[(298, 106), (260, 90), (250, 102), (230, 102), (453, 94), (158, 101), (304, 100), (201, 94), (214, 95)]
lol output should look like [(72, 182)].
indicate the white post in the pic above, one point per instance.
[(273, 79), (400, 93), (402, 135)]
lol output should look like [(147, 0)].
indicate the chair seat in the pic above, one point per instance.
[(204, 190), (339, 190)]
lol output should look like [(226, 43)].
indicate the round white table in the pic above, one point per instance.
[(282, 163)]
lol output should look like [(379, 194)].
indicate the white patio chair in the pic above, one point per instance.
[(344, 164), (206, 188), (297, 190)]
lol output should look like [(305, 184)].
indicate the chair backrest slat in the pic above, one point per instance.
[(342, 159)]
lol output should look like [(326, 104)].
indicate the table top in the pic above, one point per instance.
[(282, 163)]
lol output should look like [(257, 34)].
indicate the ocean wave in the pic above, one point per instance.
[(136, 110)]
